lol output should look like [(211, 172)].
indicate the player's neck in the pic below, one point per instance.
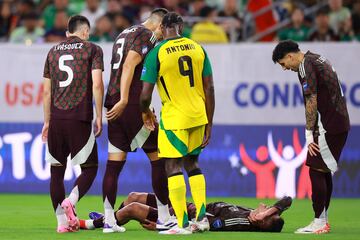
[(149, 25), (171, 33)]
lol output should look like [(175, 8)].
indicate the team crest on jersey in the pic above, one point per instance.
[(144, 50), (143, 70)]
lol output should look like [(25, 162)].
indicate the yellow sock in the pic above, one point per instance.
[(177, 196), (198, 192)]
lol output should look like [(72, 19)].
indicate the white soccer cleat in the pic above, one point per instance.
[(315, 227), (200, 226), (113, 229), (176, 230), (162, 226)]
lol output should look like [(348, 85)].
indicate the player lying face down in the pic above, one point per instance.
[(222, 216)]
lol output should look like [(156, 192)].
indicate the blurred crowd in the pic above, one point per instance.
[(208, 21)]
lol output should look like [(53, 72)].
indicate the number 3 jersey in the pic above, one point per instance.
[(69, 65), (178, 66), (136, 38)]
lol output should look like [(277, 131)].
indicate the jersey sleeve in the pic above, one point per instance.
[(207, 70), (98, 59), (310, 84), (46, 73), (143, 43), (150, 69)]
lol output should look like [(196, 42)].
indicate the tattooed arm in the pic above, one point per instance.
[(311, 114), (311, 111)]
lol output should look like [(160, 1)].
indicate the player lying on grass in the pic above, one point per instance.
[(222, 216)]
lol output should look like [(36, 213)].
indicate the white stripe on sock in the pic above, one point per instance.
[(60, 216), (74, 195), (109, 217), (163, 211)]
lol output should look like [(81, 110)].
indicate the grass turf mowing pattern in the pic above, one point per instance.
[(32, 217)]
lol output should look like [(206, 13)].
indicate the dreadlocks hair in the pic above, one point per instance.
[(283, 48), (171, 20)]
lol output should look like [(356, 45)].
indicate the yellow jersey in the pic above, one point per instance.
[(178, 66)]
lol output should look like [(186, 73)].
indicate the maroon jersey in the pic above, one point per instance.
[(228, 217), (69, 65), (136, 38), (317, 76)]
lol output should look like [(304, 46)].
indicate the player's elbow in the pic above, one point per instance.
[(98, 84)]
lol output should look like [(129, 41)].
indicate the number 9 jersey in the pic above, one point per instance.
[(178, 66), (69, 65)]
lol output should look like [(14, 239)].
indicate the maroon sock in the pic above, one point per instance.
[(110, 181), (85, 180), (159, 180), (319, 191), (152, 214), (57, 189), (329, 187)]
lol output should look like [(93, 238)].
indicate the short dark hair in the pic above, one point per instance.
[(277, 225), (161, 12), (171, 20), (206, 11), (76, 21), (323, 11), (283, 48)]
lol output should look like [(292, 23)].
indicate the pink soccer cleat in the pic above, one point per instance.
[(70, 213), (63, 229)]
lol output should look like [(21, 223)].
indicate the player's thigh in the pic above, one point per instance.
[(82, 142), (118, 141), (150, 145), (172, 143), (196, 137), (57, 146)]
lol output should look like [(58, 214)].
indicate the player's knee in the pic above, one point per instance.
[(131, 209)]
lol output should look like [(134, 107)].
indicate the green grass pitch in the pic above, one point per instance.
[(31, 217)]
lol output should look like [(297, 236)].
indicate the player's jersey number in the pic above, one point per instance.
[(120, 52), (66, 69), (189, 70)]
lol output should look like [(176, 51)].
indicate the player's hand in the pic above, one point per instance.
[(149, 119), (44, 132), (116, 110), (148, 225), (313, 148), (207, 136), (98, 126)]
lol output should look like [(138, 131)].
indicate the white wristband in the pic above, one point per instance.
[(309, 137)]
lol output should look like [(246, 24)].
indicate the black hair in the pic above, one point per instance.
[(206, 11), (30, 16), (283, 48), (323, 11), (161, 12), (171, 20), (277, 225), (76, 21)]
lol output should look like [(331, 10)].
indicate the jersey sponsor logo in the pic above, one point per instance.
[(63, 47)]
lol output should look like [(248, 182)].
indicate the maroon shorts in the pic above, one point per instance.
[(330, 146), (71, 137), (126, 133)]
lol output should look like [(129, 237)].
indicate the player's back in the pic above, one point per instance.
[(228, 217), (69, 65), (317, 73), (136, 38), (180, 83)]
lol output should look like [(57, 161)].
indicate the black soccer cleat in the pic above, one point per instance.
[(283, 204)]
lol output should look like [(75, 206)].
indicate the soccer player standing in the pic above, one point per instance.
[(327, 123), (182, 71), (125, 126), (72, 77)]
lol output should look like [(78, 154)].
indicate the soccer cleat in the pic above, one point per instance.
[(113, 229), (95, 215), (176, 230), (70, 213), (200, 226), (314, 228), (63, 229), (162, 226)]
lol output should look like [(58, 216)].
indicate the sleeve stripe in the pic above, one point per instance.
[(302, 68), (153, 38)]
